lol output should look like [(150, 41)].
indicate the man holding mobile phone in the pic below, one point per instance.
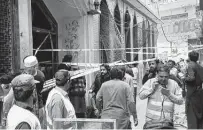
[(162, 94)]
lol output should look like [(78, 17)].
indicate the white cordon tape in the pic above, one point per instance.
[(75, 74), (92, 65), (196, 49), (73, 50), (79, 73), (138, 48)]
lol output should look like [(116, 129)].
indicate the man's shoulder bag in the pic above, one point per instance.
[(157, 124)]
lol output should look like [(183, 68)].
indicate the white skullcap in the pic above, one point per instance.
[(30, 61)]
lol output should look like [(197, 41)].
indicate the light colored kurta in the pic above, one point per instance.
[(115, 95), (160, 106)]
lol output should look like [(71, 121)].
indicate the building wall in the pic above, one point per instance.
[(123, 7), (140, 18), (181, 23), (82, 31), (6, 34)]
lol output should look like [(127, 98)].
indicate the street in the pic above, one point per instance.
[(141, 111)]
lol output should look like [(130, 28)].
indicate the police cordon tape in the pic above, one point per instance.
[(79, 73), (74, 74), (110, 49)]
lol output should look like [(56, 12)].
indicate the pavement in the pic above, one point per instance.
[(141, 111)]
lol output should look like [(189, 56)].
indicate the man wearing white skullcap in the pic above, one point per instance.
[(31, 67), (31, 63)]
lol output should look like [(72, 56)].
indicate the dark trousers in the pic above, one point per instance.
[(80, 115), (135, 94), (1, 112), (192, 121)]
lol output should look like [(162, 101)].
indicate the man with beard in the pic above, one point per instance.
[(77, 94), (31, 67), (194, 93), (162, 93), (102, 77), (58, 104), (152, 70)]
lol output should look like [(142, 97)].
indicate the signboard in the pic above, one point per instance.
[(163, 1), (177, 16), (175, 27)]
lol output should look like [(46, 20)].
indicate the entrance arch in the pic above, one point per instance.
[(104, 32), (135, 38), (117, 17), (127, 35)]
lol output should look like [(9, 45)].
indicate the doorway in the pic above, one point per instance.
[(45, 36)]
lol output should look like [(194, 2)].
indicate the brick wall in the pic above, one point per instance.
[(6, 36)]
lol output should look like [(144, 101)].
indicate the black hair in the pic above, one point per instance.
[(135, 64), (194, 56), (130, 72), (157, 61), (64, 66), (122, 68), (172, 61), (63, 81), (67, 58), (163, 68), (7, 78), (21, 95), (106, 66), (116, 73)]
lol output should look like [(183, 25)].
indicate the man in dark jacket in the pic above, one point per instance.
[(152, 71), (77, 94), (193, 82), (101, 77)]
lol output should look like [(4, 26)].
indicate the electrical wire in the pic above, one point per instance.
[(162, 26)]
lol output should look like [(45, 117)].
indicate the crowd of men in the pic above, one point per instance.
[(112, 95)]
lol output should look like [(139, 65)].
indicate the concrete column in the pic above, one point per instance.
[(131, 34), (89, 57), (25, 29)]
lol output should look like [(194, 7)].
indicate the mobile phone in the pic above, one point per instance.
[(162, 85)]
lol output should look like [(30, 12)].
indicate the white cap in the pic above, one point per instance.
[(30, 61)]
